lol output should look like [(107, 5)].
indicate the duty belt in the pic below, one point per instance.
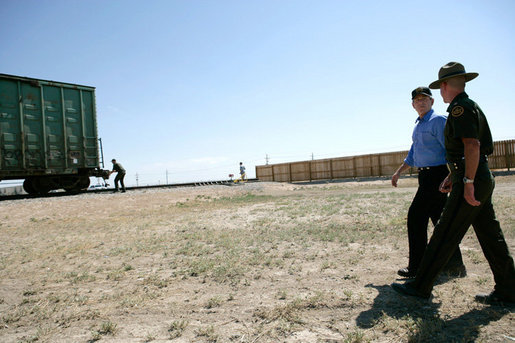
[(453, 166)]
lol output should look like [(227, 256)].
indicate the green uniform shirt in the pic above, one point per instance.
[(117, 167), (466, 120)]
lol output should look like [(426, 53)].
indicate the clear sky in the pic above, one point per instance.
[(193, 87)]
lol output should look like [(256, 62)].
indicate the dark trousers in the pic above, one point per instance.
[(456, 218), (119, 177), (427, 204)]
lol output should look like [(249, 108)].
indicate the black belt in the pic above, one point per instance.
[(430, 168), (461, 163)]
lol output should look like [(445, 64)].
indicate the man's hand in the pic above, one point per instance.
[(446, 185), (468, 194), (471, 150), (395, 178)]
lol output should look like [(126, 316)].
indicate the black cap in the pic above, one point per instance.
[(421, 90)]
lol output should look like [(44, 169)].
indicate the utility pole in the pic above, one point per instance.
[(166, 176), (137, 180), (312, 156), (266, 159)]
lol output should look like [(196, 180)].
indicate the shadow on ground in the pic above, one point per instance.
[(428, 325)]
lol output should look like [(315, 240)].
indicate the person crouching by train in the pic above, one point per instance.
[(120, 175)]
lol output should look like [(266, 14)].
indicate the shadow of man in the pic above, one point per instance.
[(428, 326)]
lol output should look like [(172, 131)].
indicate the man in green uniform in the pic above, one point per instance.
[(468, 142), (120, 175)]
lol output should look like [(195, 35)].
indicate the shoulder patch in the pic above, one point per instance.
[(457, 111)]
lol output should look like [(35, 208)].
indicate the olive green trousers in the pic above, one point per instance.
[(454, 222)]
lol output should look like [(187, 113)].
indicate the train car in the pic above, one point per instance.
[(48, 134)]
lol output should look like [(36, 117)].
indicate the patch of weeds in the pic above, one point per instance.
[(289, 254), (426, 330), (156, 281), (115, 275), (176, 328), (149, 338), (123, 250), (75, 277), (357, 336), (284, 328), (207, 332), (14, 316), (214, 302), (106, 328), (348, 293), (229, 271), (293, 269), (326, 265), (30, 339), (200, 267), (291, 311), (475, 257), (482, 281), (29, 292)]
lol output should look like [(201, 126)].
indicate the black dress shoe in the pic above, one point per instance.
[(455, 272), (408, 289), (494, 298), (406, 272)]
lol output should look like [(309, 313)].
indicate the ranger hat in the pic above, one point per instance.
[(450, 70), (421, 90)]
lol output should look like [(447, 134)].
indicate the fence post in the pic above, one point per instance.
[(507, 152), (289, 172), (331, 168)]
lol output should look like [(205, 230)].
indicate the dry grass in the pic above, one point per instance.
[(254, 263)]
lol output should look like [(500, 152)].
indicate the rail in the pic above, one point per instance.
[(108, 190)]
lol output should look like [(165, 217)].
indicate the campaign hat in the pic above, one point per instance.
[(450, 70)]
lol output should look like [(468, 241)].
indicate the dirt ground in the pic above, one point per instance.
[(259, 262)]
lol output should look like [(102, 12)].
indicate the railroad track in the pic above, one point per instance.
[(107, 190)]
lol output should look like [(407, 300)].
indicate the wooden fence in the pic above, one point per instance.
[(385, 164)]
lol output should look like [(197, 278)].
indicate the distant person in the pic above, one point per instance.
[(427, 153), (243, 175), (120, 175), (468, 142)]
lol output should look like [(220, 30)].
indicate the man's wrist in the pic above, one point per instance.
[(466, 180)]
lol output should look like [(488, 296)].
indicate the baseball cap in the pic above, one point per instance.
[(421, 90)]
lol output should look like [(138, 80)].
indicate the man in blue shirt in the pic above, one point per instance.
[(427, 153)]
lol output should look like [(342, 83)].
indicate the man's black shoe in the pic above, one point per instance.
[(494, 298), (455, 272), (407, 273), (408, 289)]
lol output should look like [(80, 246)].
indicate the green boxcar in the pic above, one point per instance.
[(48, 134)]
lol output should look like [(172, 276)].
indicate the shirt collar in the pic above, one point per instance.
[(426, 116), (457, 98)]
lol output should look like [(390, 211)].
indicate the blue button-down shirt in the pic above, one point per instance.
[(428, 147)]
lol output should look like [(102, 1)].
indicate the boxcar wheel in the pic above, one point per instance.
[(41, 185), (28, 186)]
